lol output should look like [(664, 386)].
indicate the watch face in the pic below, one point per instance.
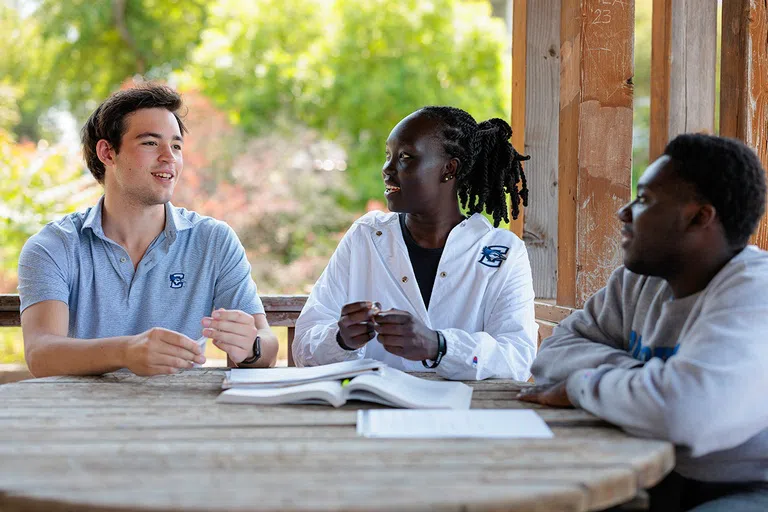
[(256, 352)]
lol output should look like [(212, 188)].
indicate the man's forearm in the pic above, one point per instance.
[(48, 355), (560, 356)]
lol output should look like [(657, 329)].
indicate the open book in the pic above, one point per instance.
[(385, 386), (282, 377)]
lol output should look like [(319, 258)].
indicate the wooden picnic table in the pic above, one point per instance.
[(122, 442)]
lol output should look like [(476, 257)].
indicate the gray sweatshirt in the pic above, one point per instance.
[(693, 371)]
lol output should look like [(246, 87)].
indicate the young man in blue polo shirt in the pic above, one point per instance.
[(132, 282)]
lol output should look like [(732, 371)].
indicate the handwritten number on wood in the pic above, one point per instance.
[(601, 16)]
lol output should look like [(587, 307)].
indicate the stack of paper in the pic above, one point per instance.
[(484, 423)]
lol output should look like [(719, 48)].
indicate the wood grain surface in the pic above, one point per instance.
[(121, 442)]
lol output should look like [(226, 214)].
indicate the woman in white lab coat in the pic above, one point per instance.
[(426, 287)]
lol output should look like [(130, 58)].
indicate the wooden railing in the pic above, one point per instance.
[(283, 310)]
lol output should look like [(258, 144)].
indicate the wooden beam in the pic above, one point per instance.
[(535, 82), (541, 132), (519, 36), (683, 70), (595, 141), (744, 82), (661, 55), (287, 305)]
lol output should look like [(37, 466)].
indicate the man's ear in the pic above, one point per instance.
[(450, 169), (703, 216), (105, 152)]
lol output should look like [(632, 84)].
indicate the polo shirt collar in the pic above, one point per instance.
[(93, 219), (174, 220)]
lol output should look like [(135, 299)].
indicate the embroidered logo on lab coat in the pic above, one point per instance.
[(493, 255)]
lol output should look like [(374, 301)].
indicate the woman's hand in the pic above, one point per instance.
[(356, 324), (406, 336)]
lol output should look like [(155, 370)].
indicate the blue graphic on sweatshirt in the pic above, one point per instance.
[(638, 351)]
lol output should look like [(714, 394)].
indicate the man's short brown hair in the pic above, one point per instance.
[(108, 120)]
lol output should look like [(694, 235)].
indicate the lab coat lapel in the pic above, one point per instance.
[(389, 243)]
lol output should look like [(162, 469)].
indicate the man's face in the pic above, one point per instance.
[(150, 162), (655, 231)]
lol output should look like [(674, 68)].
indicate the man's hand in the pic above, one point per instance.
[(356, 324), (233, 331), (161, 351), (405, 336), (553, 395)]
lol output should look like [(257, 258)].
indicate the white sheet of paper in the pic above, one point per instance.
[(201, 343), (483, 423)]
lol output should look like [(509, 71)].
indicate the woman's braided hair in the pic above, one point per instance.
[(489, 166)]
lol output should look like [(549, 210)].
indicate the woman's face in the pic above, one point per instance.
[(415, 166)]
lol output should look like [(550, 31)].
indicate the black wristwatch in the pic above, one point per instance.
[(442, 348), (341, 342), (256, 352)]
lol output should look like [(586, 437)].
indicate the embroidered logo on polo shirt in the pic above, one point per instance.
[(493, 255), (177, 280)]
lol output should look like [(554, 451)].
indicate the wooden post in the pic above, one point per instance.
[(595, 141), (683, 69), (744, 82), (535, 92), (291, 335), (519, 36)]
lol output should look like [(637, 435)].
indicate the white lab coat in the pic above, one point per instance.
[(483, 306)]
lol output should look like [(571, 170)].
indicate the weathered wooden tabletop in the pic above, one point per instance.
[(121, 442)]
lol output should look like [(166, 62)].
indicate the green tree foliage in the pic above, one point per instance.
[(26, 61), (351, 68), (391, 58), (95, 46), (255, 58), (348, 68), (40, 183), (642, 81)]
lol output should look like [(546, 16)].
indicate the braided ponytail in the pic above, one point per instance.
[(490, 167)]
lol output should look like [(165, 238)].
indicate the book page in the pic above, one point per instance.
[(290, 376), (480, 423), (408, 391), (327, 392)]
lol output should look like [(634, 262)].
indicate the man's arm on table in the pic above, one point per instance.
[(588, 338), (48, 350)]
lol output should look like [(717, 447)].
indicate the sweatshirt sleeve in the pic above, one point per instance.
[(507, 345), (716, 379), (315, 339), (588, 338)]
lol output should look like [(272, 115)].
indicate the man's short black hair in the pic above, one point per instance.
[(728, 175)]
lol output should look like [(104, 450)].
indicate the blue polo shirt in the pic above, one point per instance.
[(195, 265)]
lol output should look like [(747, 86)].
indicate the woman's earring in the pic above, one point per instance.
[(449, 177)]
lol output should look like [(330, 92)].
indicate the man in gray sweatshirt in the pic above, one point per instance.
[(675, 346)]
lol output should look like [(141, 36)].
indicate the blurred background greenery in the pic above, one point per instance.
[(289, 104)]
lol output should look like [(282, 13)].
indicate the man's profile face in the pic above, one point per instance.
[(655, 224), (150, 159)]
